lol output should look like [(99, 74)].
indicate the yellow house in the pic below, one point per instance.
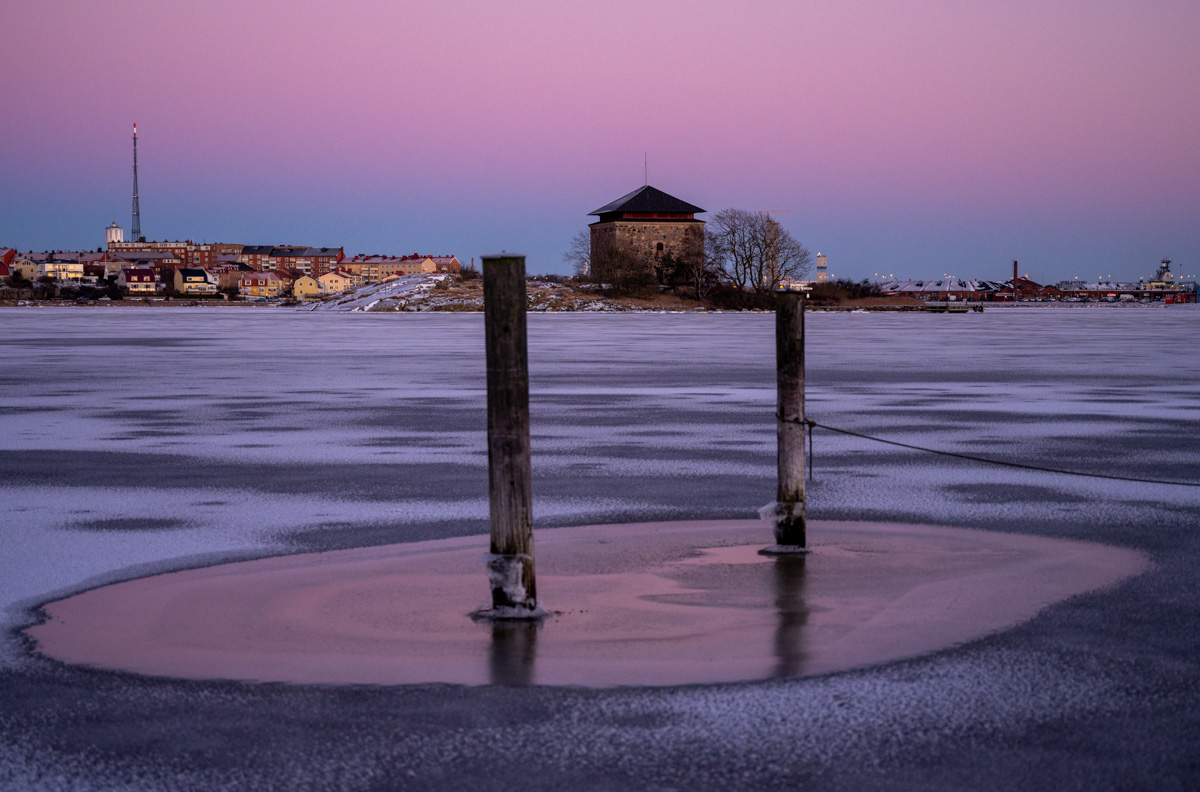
[(306, 288), (417, 265), (446, 263), (28, 268), (193, 281), (335, 282)]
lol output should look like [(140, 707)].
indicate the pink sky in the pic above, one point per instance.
[(914, 138)]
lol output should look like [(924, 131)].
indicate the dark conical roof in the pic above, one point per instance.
[(648, 199)]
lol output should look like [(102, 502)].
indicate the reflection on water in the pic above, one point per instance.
[(514, 645), (512, 655), (793, 615)]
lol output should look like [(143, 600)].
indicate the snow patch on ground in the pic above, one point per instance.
[(441, 292), (403, 293)]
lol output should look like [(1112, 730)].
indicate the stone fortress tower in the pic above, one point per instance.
[(650, 223)]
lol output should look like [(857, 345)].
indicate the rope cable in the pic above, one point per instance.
[(985, 460), (810, 454)]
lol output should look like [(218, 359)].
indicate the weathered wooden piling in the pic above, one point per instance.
[(510, 567), (790, 509)]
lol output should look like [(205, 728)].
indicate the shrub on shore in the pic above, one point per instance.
[(843, 290)]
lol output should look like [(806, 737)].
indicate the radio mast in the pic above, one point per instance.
[(136, 231)]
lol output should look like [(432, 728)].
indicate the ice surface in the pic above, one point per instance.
[(141, 438)]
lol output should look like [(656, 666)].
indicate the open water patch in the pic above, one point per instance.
[(15, 409), (130, 524), (1003, 493), (82, 341), (345, 534)]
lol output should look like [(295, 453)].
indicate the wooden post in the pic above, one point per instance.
[(510, 568), (790, 510)]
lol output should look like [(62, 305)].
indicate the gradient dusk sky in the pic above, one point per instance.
[(905, 138)]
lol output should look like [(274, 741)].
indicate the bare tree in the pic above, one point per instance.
[(730, 245), (753, 251), (703, 277), (579, 255), (690, 268)]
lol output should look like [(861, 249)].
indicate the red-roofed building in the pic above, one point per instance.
[(305, 260), (262, 284), (229, 276), (95, 272), (138, 280), (373, 269), (185, 254)]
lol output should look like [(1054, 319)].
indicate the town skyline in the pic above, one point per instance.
[(919, 142)]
